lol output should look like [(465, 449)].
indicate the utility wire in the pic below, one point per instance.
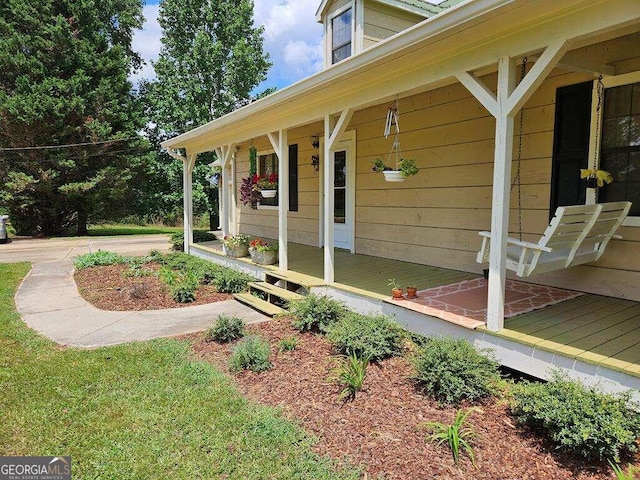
[(48, 147)]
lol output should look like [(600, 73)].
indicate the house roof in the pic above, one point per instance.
[(468, 37), (419, 7)]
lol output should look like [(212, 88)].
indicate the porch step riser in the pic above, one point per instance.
[(271, 297), (261, 305)]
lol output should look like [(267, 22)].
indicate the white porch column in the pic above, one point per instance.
[(187, 186), (333, 130), (501, 196), (509, 100), (280, 144), (224, 155)]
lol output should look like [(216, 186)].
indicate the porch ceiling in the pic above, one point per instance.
[(468, 37)]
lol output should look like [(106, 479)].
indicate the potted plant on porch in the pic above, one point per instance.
[(396, 291), (263, 253), (236, 246)]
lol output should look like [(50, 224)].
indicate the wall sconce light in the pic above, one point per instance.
[(315, 141), (315, 161)]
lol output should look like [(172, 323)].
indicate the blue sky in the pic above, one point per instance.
[(292, 37)]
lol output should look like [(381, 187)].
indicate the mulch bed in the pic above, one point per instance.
[(110, 288), (380, 429)]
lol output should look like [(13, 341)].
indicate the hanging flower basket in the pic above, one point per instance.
[(393, 176), (268, 193)]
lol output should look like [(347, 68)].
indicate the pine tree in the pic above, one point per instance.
[(64, 81)]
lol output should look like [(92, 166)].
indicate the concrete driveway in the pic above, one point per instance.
[(49, 302), (55, 249)]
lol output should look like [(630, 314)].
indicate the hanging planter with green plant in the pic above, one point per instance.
[(404, 167)]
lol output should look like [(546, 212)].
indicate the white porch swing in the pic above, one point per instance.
[(577, 234)]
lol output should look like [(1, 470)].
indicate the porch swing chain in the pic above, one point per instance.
[(516, 179), (596, 146)]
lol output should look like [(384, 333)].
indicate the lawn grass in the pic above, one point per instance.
[(142, 410), (124, 229)]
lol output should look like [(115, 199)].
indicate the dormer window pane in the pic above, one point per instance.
[(341, 36)]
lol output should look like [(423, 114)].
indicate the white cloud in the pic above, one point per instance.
[(147, 43), (303, 58), (292, 37)]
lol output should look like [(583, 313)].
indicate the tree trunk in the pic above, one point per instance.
[(82, 222)]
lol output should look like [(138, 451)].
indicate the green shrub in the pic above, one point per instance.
[(316, 312), (578, 418), (183, 293), (226, 329), (228, 280), (288, 344), (225, 279), (177, 239), (101, 257), (367, 336), (452, 370), (350, 374), (252, 353)]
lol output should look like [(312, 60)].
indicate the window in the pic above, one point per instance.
[(268, 165), (341, 36), (620, 145)]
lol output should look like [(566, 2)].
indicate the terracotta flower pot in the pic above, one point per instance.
[(411, 292), (397, 293)]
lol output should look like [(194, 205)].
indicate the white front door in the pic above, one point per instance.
[(344, 195)]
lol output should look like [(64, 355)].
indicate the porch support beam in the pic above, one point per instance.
[(188, 166), (279, 141), (547, 62), (504, 106), (224, 154), (333, 130)]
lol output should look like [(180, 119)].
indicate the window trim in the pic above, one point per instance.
[(594, 140), (258, 154), (328, 56)]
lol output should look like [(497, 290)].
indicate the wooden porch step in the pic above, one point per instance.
[(258, 303), (274, 291)]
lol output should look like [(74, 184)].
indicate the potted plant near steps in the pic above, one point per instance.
[(236, 246), (406, 168), (268, 185), (396, 291), (263, 253)]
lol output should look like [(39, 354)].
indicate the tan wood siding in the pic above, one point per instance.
[(303, 224), (433, 218), (383, 21)]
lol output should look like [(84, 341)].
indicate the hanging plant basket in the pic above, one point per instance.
[(268, 193), (393, 176)]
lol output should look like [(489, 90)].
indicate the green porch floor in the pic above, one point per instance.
[(592, 328)]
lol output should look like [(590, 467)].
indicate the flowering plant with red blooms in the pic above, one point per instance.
[(262, 246), (267, 182)]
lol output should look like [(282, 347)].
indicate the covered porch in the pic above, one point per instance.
[(594, 335)]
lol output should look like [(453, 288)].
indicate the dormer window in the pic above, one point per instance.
[(341, 36)]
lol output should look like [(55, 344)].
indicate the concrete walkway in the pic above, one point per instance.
[(49, 302)]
